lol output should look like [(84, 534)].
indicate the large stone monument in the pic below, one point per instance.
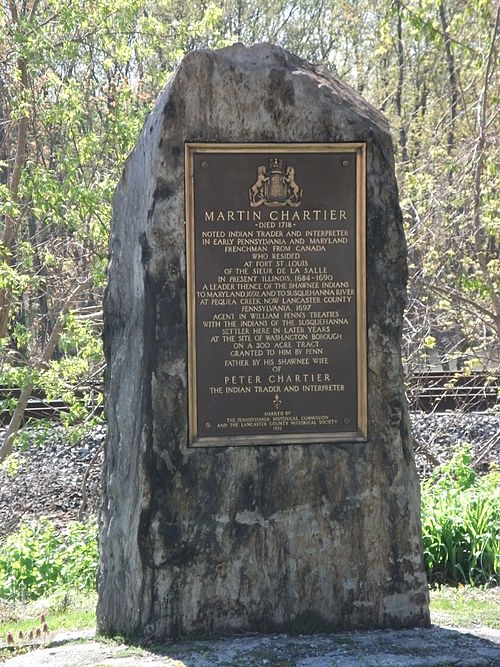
[(259, 472)]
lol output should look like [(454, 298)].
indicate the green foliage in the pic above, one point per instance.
[(461, 524), (38, 559), (11, 465), (63, 378), (91, 72), (93, 69), (81, 352), (36, 436)]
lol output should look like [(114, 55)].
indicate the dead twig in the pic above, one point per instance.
[(486, 448), (83, 504), (18, 414)]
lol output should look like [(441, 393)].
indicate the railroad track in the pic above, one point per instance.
[(440, 391), (39, 407), (427, 391)]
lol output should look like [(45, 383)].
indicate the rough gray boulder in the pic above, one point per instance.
[(248, 538)]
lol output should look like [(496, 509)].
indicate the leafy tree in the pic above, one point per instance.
[(78, 78), (70, 118), (450, 182)]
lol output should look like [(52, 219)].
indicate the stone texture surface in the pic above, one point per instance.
[(248, 538)]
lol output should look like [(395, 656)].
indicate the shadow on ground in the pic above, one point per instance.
[(436, 646)]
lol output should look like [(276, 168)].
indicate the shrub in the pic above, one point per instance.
[(461, 524), (38, 559)]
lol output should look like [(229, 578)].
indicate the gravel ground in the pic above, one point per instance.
[(435, 436), (45, 479), (433, 647)]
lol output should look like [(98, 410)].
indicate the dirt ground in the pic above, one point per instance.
[(437, 646)]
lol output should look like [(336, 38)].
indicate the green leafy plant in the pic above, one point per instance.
[(11, 465), (461, 523), (38, 559)]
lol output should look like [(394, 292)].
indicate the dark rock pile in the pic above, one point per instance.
[(45, 478), (437, 436)]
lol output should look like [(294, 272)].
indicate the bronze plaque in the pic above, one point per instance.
[(275, 238)]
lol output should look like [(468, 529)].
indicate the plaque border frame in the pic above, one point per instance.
[(358, 149)]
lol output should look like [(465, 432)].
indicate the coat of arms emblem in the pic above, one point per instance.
[(275, 186)]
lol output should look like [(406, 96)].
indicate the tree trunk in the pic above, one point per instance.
[(452, 77), (9, 231), (399, 89), (481, 234), (18, 414)]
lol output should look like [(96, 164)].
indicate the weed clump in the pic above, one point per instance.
[(38, 560), (461, 523)]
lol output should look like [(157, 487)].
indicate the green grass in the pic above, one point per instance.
[(465, 607), (462, 607), (459, 607), (64, 611)]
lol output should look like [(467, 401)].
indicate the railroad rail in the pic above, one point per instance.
[(39, 407), (441, 391), (428, 391)]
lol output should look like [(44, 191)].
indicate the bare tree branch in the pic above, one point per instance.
[(18, 414), (10, 223), (450, 293), (480, 235)]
